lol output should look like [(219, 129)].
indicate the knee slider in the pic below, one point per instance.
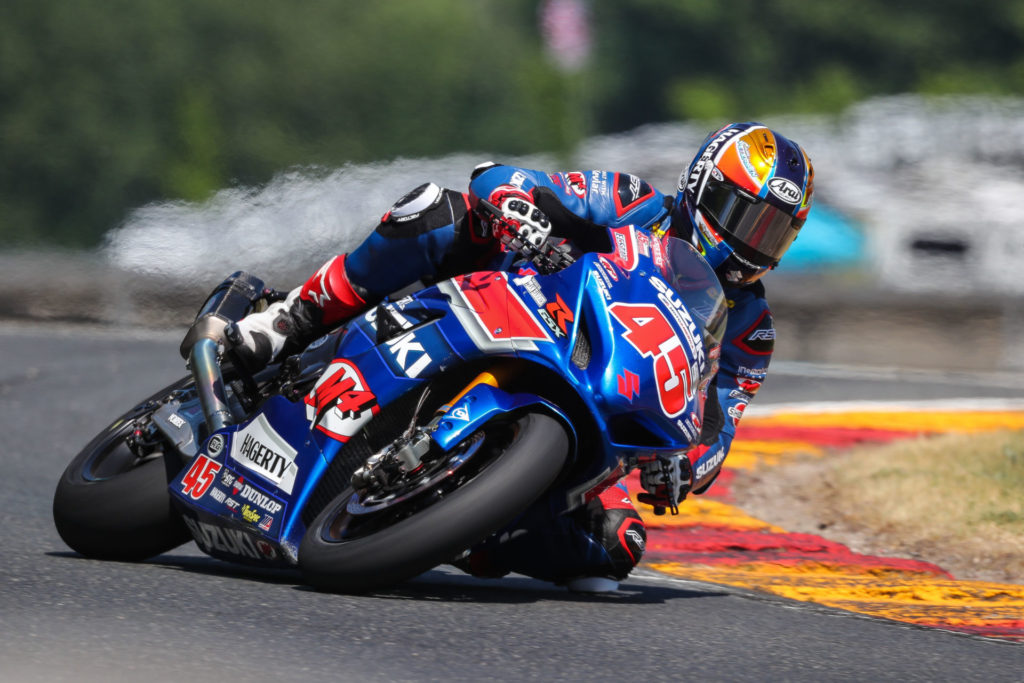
[(425, 208)]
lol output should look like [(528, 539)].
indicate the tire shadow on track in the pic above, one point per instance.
[(438, 585)]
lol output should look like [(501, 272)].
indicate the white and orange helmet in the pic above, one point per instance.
[(746, 195)]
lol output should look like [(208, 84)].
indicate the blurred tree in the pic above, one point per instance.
[(108, 104), (105, 105), (738, 59)]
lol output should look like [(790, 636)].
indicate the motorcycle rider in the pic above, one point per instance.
[(740, 202)]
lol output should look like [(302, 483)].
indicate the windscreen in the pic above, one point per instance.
[(697, 285)]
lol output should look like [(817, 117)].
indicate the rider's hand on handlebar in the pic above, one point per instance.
[(521, 225), (249, 349), (255, 340), (666, 480)]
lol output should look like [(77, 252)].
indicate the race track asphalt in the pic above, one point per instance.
[(184, 616)]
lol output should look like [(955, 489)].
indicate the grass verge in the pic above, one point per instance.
[(954, 496)]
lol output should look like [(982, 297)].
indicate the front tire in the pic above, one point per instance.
[(400, 547), (112, 505)]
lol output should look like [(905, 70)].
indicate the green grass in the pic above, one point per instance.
[(962, 492)]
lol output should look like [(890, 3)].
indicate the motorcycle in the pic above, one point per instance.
[(413, 432)]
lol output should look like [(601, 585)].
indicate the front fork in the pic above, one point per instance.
[(403, 457)]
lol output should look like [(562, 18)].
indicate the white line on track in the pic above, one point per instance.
[(924, 405), (1009, 379)]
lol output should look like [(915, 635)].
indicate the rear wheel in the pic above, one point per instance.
[(511, 464), (112, 501)]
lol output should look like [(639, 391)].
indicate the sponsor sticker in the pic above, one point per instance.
[(629, 385), (199, 477), (215, 445), (688, 430), (213, 539), (577, 182), (258, 448), (786, 190), (409, 354), (261, 500), (532, 287), (643, 242), (710, 463), (249, 514), (705, 162), (341, 403)]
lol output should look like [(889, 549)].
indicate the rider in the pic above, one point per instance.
[(741, 203)]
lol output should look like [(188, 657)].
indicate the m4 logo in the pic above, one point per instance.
[(341, 403), (649, 332)]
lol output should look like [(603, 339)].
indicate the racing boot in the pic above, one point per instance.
[(614, 523), (325, 301)]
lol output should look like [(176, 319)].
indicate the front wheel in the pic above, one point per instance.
[(112, 501), (513, 465)]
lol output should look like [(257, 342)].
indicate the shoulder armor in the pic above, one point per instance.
[(629, 192)]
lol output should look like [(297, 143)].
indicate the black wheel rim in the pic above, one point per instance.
[(110, 454), (341, 526)]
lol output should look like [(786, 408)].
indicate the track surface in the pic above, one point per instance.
[(188, 616)]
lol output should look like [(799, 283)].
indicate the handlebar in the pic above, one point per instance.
[(229, 302)]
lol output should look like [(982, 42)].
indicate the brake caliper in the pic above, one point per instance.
[(387, 467)]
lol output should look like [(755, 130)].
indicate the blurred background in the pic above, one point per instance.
[(148, 149)]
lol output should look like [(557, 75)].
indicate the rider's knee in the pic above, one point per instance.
[(423, 209)]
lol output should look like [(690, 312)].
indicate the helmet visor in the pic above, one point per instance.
[(758, 231)]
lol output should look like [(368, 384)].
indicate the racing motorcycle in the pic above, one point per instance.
[(410, 434)]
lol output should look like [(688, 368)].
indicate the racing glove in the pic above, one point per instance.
[(516, 221), (666, 480), (523, 227), (258, 338)]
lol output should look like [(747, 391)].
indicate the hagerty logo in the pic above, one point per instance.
[(258, 448)]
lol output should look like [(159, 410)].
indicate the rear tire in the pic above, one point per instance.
[(111, 505), (406, 547)]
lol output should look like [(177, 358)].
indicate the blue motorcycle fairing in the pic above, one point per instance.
[(632, 333), (252, 477)]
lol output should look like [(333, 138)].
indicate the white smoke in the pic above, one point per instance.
[(904, 166), (282, 231)]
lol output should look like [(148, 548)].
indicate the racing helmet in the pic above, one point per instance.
[(745, 195)]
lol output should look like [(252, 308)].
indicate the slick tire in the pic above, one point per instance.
[(510, 482), (110, 506)]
